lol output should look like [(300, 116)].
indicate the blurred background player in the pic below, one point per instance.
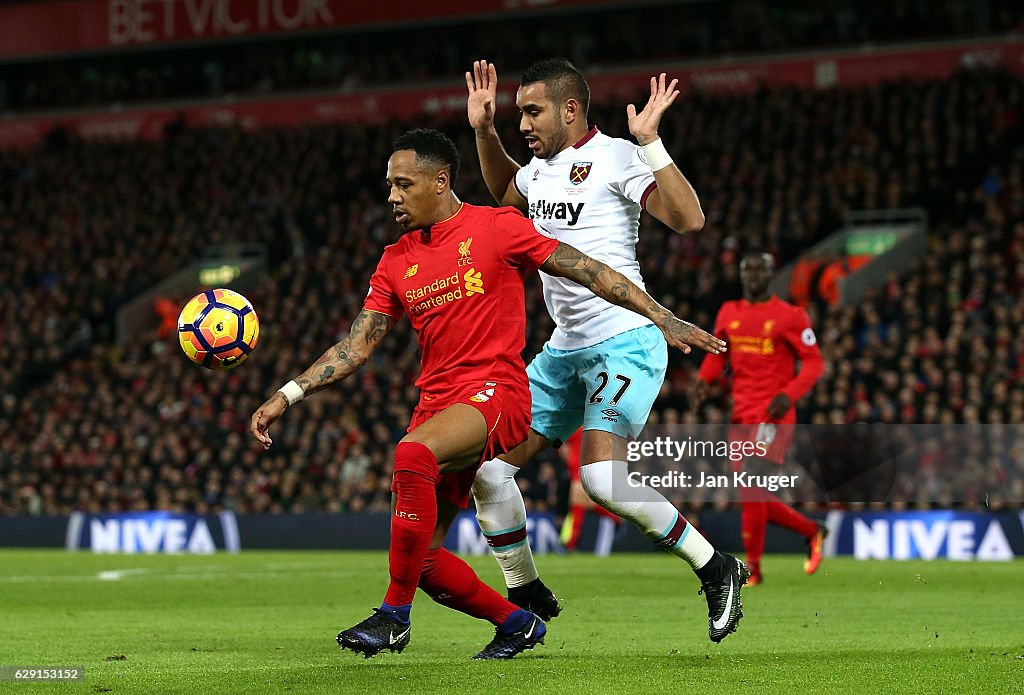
[(474, 389), (580, 503), (603, 367), (767, 338)]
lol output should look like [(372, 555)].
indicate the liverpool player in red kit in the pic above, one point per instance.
[(458, 274), (767, 336), (580, 503)]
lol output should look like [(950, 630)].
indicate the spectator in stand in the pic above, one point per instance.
[(593, 39), (85, 226)]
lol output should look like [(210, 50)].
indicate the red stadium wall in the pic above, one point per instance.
[(806, 71), (69, 26)]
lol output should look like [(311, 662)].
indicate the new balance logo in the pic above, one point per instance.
[(543, 210), (411, 270)]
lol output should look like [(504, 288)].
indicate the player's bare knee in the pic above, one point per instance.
[(599, 445), (446, 515), (418, 439), (522, 454), (577, 495)]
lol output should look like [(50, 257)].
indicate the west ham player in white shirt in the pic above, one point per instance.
[(602, 367)]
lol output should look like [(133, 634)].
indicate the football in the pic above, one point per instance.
[(218, 329)]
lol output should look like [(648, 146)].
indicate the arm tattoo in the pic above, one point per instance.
[(605, 282), (342, 360), (372, 325), (342, 356)]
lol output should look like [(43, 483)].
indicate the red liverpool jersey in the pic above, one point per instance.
[(462, 288), (765, 341)]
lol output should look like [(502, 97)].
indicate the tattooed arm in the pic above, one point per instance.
[(345, 358), (339, 362), (614, 287)]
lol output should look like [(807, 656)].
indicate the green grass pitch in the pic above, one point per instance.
[(265, 622)]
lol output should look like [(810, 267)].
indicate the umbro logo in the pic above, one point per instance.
[(610, 414)]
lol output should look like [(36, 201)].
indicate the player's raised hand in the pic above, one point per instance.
[(266, 415), (644, 125), (683, 334), (482, 83)]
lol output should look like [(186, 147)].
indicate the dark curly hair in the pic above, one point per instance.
[(433, 147), (562, 79)]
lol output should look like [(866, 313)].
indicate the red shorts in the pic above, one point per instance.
[(773, 439), (506, 411)]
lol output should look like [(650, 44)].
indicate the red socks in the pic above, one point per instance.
[(446, 578), (577, 513), (781, 514), (754, 525), (414, 519), (451, 582), (761, 508)]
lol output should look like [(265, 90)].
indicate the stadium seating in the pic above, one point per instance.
[(594, 39), (86, 226)]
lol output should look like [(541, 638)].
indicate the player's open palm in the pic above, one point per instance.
[(482, 83), (266, 415), (644, 125), (683, 335)]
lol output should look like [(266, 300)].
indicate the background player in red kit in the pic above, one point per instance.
[(580, 503), (767, 336), (458, 273)]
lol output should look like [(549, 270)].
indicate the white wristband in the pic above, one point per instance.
[(293, 392), (657, 156)]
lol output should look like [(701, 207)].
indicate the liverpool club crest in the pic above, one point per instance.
[(579, 172)]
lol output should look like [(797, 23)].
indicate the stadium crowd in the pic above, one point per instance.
[(596, 37), (87, 424)]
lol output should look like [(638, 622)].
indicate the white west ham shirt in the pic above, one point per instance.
[(589, 196)]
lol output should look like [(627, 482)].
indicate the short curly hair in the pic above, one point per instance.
[(562, 80), (433, 147)]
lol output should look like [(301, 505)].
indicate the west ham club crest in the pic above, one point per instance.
[(579, 172)]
